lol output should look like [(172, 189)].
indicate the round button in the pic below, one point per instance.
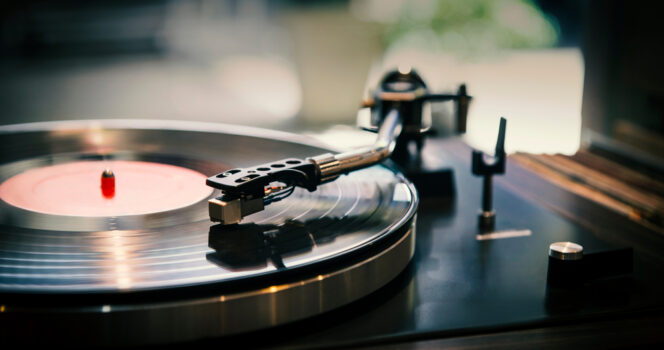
[(566, 251)]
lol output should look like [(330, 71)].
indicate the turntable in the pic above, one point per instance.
[(142, 232), (140, 260)]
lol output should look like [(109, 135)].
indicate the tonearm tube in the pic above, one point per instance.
[(398, 119)]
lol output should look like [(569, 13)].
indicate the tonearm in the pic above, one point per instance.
[(398, 119)]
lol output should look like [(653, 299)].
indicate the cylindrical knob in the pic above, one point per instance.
[(566, 265), (566, 251), (569, 267)]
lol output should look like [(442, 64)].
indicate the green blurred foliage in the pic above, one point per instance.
[(471, 26)]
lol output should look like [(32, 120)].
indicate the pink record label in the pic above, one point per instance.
[(78, 188)]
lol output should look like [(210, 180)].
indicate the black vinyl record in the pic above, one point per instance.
[(176, 264)]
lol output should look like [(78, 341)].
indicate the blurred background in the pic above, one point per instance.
[(290, 65), (580, 82), (304, 66)]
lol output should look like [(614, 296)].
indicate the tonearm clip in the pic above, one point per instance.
[(398, 120)]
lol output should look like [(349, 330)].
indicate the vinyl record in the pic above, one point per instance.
[(140, 262)]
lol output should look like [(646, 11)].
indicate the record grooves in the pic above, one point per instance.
[(120, 269)]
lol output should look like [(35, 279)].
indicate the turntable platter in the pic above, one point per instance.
[(324, 248)]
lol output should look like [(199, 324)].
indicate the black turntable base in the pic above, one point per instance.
[(341, 266), (463, 291)]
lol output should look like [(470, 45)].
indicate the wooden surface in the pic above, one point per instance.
[(636, 195)]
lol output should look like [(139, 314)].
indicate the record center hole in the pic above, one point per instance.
[(277, 165), (293, 162)]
